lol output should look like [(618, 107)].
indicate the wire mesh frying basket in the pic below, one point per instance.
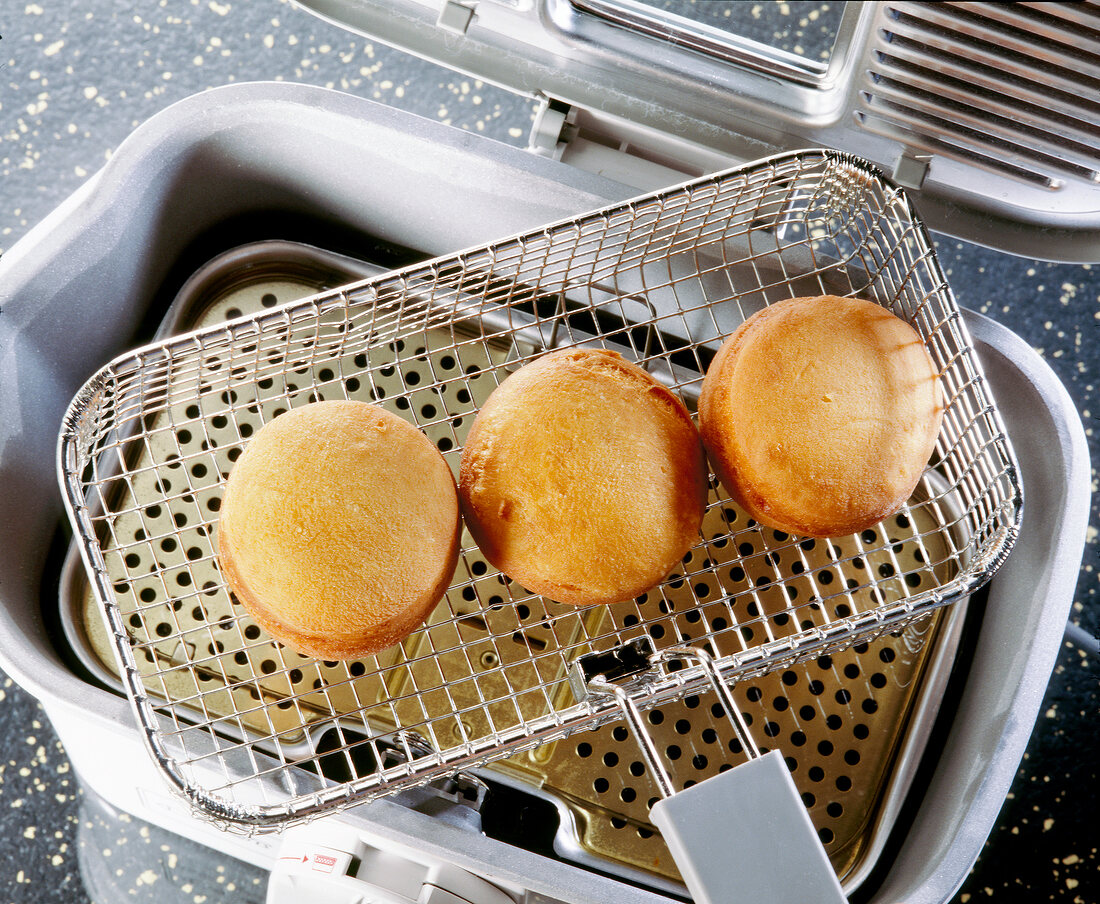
[(258, 736)]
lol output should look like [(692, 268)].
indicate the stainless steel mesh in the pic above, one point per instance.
[(256, 734)]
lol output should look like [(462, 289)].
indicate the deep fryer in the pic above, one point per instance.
[(219, 148)]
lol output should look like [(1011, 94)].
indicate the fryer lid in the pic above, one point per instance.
[(977, 106)]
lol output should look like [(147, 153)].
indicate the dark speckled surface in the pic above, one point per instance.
[(76, 79)]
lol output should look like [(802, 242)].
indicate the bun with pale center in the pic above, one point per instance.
[(820, 414), (339, 529), (583, 478)]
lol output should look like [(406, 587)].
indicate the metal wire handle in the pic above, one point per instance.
[(773, 854), (714, 676), (600, 685)]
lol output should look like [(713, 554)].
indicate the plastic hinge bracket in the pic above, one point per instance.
[(455, 16)]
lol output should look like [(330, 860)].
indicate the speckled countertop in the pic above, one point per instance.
[(75, 80)]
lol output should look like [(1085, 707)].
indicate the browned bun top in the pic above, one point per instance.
[(583, 478), (820, 414), (339, 528)]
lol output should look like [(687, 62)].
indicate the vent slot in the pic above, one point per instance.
[(1055, 96), (1009, 88), (1003, 130), (1033, 31)]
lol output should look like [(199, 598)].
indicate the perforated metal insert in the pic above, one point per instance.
[(149, 441), (861, 697)]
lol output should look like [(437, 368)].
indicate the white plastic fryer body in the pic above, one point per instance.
[(74, 288)]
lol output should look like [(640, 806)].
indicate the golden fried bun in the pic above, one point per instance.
[(819, 414), (339, 529), (583, 478)]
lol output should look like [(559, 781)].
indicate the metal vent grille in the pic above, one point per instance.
[(1012, 87)]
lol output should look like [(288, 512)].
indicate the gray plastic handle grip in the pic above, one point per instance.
[(744, 836)]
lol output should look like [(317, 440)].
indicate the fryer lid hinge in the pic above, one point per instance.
[(553, 128), (456, 16), (624, 151)]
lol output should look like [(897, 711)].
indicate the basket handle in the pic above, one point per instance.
[(742, 835)]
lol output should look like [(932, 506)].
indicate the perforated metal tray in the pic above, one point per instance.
[(148, 441), (852, 725)]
